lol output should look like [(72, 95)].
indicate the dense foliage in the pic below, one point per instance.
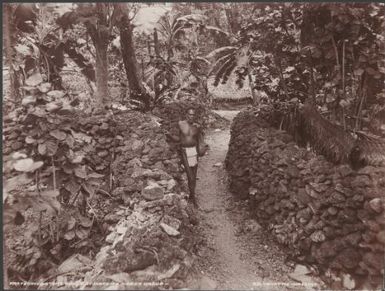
[(329, 54), (332, 53)]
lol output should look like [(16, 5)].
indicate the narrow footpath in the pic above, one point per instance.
[(236, 254)]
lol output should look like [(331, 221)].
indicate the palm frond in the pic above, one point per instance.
[(192, 18), (164, 34), (325, 138), (218, 64), (165, 21), (164, 30), (202, 59), (219, 52), (368, 150), (216, 30), (227, 73), (176, 33), (230, 64), (174, 20)]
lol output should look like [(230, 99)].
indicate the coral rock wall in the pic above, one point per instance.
[(327, 215), (154, 240), (141, 209)]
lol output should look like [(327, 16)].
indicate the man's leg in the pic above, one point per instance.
[(189, 173), (194, 175), (193, 171)]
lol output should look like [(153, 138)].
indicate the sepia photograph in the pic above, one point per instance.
[(193, 146)]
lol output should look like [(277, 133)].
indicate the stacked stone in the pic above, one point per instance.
[(104, 140), (237, 159), (156, 219), (328, 215), (121, 143), (143, 155), (156, 236), (99, 130)]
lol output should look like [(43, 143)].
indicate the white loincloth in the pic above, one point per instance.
[(192, 156)]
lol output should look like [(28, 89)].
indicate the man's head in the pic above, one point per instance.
[(190, 114)]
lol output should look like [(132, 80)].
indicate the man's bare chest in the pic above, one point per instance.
[(187, 129)]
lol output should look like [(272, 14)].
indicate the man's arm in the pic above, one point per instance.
[(173, 137), (198, 126)]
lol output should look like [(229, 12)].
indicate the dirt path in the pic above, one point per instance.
[(236, 253)]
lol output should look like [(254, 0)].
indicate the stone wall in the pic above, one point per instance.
[(153, 242), (139, 203), (244, 127), (327, 215)]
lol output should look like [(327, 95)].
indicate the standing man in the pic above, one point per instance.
[(191, 146)]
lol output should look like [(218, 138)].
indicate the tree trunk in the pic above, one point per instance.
[(232, 18), (130, 63), (100, 35), (101, 73), (306, 26), (10, 52), (256, 99), (100, 38), (156, 43)]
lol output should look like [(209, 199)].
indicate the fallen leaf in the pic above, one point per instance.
[(34, 80), (78, 159), (59, 135), (66, 109), (81, 137), (39, 112), (28, 100), (52, 147), (69, 235), (42, 149), (17, 181), (23, 165), (44, 87), (70, 140), (52, 106), (81, 172), (57, 94), (30, 140), (82, 233), (72, 186), (36, 165), (85, 222), (18, 155)]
